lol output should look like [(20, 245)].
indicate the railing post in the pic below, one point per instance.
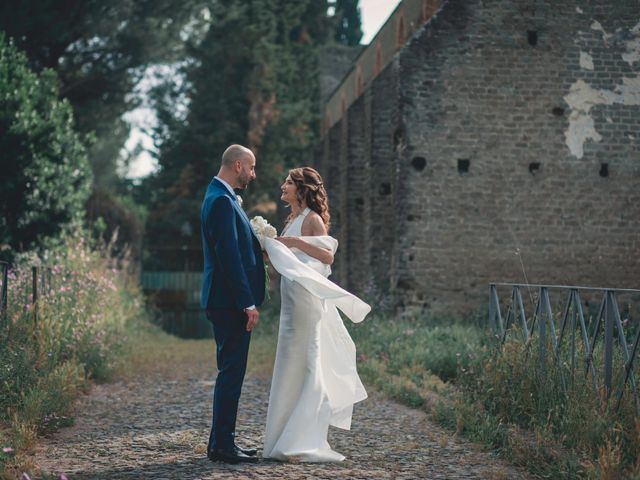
[(4, 292), (588, 358), (34, 291), (574, 326), (608, 342), (494, 310), (628, 369), (523, 317), (542, 328), (43, 281)]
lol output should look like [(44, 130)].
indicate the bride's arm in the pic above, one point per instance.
[(313, 226)]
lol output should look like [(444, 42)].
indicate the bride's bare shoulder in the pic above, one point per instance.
[(313, 225)]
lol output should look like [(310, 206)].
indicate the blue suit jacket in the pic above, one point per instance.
[(233, 266)]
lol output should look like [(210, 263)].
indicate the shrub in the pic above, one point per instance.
[(46, 176), (46, 359), (572, 430)]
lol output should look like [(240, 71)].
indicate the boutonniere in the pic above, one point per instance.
[(239, 200)]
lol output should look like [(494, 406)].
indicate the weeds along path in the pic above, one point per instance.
[(153, 423)]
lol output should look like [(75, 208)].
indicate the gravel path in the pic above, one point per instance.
[(155, 427)]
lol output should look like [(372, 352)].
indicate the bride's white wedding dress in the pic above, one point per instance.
[(315, 382)]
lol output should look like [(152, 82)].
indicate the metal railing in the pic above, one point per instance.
[(573, 324), (175, 297)]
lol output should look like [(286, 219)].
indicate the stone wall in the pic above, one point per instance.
[(502, 143)]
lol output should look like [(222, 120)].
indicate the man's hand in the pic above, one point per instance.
[(252, 318)]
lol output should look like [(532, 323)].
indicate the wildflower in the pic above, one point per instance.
[(7, 450)]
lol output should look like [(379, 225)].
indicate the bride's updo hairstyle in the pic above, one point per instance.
[(310, 189)]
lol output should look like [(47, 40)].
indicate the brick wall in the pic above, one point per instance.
[(503, 140)]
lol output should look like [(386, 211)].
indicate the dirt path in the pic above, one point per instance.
[(154, 426)]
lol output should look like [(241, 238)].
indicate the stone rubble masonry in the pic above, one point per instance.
[(501, 143)]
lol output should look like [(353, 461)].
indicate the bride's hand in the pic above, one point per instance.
[(288, 241)]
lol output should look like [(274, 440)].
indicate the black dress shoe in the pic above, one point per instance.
[(251, 452), (231, 456)]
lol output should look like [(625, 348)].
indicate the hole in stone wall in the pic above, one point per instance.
[(463, 165), (532, 37), (385, 189), (558, 111), (398, 136), (359, 202), (604, 169), (419, 163), (534, 167)]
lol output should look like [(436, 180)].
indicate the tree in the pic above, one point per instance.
[(348, 22), (252, 79), (100, 51), (46, 177)]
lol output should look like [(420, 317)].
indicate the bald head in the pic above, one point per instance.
[(238, 166), (233, 153)]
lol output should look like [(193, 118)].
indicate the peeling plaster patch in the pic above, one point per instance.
[(586, 61), (582, 97), (633, 47), (629, 91), (598, 28), (633, 51), (581, 128), (579, 10)]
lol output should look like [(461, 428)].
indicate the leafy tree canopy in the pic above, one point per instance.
[(253, 79), (46, 177), (348, 22), (99, 51)]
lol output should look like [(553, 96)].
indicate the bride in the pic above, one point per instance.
[(315, 382)]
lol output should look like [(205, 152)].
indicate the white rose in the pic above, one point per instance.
[(262, 229)]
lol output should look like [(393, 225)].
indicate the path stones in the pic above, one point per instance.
[(156, 428)]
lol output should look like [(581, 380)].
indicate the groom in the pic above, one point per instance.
[(232, 288)]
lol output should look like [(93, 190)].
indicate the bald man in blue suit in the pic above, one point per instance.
[(232, 289)]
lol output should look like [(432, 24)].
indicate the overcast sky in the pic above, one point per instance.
[(374, 13)]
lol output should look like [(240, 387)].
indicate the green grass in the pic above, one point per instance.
[(449, 367), (511, 402), (47, 360), (151, 351), (499, 396), (410, 359)]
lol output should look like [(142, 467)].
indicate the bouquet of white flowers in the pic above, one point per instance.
[(262, 229)]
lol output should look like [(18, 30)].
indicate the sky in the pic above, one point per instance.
[(373, 13)]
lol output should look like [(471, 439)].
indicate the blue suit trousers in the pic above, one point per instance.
[(232, 349)]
